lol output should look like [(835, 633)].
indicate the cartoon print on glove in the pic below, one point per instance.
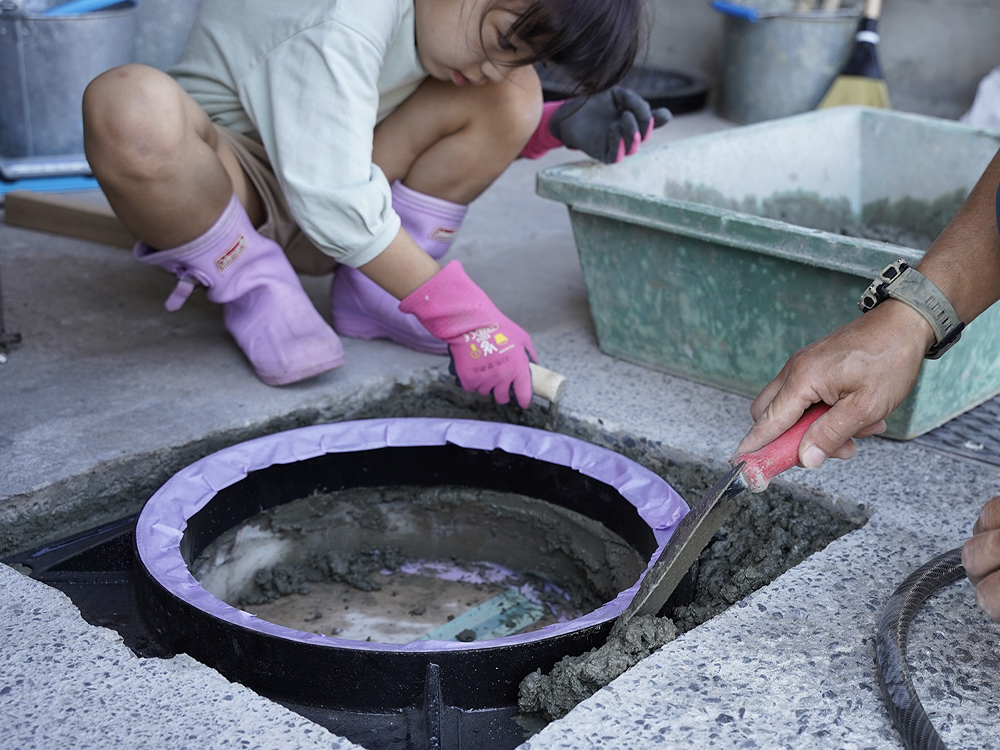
[(486, 347)]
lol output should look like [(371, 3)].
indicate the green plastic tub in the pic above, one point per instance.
[(716, 257)]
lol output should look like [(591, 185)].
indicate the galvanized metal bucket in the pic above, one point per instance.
[(45, 65), (783, 63)]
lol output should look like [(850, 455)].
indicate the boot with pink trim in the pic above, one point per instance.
[(265, 307)]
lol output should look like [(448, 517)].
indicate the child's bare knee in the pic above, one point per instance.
[(112, 95), (131, 116), (519, 108)]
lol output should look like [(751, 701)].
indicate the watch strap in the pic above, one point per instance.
[(901, 282)]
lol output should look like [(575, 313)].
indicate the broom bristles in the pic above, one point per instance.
[(858, 91)]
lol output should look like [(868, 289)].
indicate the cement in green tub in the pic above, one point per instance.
[(717, 257)]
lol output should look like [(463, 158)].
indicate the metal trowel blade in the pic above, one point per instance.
[(691, 536)]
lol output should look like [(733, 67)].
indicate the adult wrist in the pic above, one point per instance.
[(898, 281), (908, 323)]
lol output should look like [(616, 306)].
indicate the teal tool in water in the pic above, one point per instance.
[(506, 614)]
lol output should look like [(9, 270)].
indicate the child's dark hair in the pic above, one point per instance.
[(593, 42)]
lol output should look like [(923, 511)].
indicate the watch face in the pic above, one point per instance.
[(893, 270)]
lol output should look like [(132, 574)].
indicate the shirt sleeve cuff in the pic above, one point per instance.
[(373, 249)]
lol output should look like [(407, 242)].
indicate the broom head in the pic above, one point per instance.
[(857, 90), (860, 82)]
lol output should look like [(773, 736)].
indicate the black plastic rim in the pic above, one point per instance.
[(366, 678), (678, 91)]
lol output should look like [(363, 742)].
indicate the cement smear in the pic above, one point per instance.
[(576, 678), (353, 568), (766, 535)]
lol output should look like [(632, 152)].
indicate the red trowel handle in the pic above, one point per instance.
[(765, 464)]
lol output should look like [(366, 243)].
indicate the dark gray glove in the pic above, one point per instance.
[(607, 126)]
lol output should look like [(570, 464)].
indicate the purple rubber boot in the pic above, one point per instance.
[(362, 309), (265, 307)]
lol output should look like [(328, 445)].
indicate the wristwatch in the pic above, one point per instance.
[(898, 281)]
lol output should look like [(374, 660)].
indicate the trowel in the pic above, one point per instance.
[(753, 471)]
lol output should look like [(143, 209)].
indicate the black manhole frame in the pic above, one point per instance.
[(313, 670)]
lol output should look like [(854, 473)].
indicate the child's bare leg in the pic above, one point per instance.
[(452, 142), (157, 157), (181, 191)]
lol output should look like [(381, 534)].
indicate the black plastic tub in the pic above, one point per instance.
[(424, 693)]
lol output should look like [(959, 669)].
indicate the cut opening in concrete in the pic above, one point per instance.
[(430, 530)]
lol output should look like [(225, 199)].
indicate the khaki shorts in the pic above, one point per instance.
[(278, 225)]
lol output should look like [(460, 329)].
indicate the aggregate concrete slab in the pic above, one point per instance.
[(108, 395), (64, 683)]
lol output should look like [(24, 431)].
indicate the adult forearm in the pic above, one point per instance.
[(964, 261), (866, 368)]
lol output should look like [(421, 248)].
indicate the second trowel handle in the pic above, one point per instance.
[(547, 384), (766, 463)]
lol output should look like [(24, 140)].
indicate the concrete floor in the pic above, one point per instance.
[(109, 395)]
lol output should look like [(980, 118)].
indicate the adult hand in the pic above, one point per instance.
[(490, 353), (864, 370), (981, 558)]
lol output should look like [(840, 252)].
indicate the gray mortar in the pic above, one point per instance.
[(576, 678), (348, 535), (766, 535), (354, 568), (907, 222)]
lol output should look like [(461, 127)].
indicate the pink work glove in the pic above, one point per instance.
[(608, 126), (489, 352)]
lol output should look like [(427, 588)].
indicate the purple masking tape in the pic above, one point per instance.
[(164, 518)]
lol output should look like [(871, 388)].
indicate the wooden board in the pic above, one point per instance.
[(62, 214)]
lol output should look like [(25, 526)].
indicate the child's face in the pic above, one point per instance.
[(457, 44)]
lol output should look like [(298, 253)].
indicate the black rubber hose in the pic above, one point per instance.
[(900, 698)]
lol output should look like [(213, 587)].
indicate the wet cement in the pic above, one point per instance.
[(360, 563), (766, 535), (576, 678), (906, 222)]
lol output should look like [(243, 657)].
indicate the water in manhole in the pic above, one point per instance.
[(398, 564)]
